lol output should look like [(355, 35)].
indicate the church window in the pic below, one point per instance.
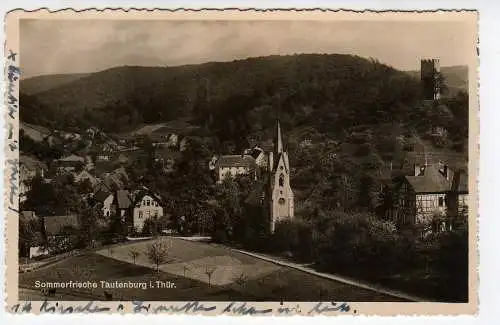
[(282, 180), (281, 201)]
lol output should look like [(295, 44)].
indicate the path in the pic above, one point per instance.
[(309, 270), (337, 278)]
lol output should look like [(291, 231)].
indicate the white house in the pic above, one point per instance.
[(146, 205), (233, 165)]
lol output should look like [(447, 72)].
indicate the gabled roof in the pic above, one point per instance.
[(431, 182), (236, 161), (101, 195), (56, 225), (73, 158), (453, 160), (123, 199), (139, 195), (38, 128)]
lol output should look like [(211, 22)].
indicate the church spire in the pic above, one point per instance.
[(278, 140)]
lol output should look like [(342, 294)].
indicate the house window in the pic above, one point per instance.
[(107, 213), (282, 180), (140, 214), (441, 201), (148, 202)]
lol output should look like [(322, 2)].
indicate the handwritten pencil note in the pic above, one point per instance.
[(192, 307), (13, 75)]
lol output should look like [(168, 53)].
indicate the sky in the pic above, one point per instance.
[(83, 46)]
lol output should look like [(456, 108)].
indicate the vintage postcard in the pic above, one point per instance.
[(234, 162)]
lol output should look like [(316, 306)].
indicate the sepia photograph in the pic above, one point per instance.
[(245, 160)]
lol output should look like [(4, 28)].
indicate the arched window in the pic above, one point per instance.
[(281, 201), (282, 180)]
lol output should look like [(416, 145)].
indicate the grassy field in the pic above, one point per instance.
[(235, 277)]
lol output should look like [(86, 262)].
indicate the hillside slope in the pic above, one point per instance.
[(128, 96), (40, 84)]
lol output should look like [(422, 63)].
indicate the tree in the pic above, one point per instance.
[(157, 253), (30, 235), (209, 271), (134, 253)]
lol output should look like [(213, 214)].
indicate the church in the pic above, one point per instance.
[(272, 197), (278, 194)]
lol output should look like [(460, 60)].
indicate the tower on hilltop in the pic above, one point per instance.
[(429, 78)]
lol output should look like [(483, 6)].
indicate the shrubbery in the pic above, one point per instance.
[(360, 244)]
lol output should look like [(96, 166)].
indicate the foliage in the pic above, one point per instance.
[(157, 252), (30, 235)]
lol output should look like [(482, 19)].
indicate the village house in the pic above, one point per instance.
[(259, 155), (36, 133), (146, 205), (272, 195), (433, 195), (70, 163), (233, 165), (133, 207), (120, 205), (29, 168), (105, 197)]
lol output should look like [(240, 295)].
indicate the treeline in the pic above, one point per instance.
[(355, 244), (133, 95)]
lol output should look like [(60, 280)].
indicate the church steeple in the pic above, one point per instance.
[(279, 193), (278, 140)]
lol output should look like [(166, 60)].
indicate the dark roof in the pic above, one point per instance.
[(123, 199), (453, 160), (73, 158), (38, 128), (256, 153), (431, 182), (55, 225), (101, 195), (139, 195), (236, 161)]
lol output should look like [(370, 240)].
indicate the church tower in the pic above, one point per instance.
[(429, 78), (280, 194)]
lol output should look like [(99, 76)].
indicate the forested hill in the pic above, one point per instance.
[(125, 96), (40, 84), (330, 94)]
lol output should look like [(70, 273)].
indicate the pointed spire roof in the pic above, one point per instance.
[(278, 140)]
